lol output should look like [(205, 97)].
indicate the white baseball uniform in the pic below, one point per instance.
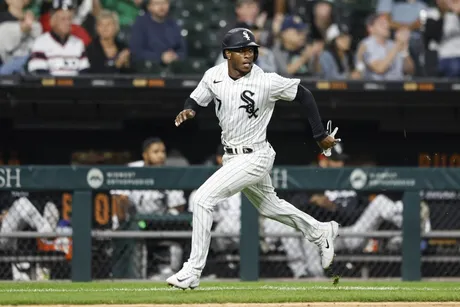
[(244, 108)]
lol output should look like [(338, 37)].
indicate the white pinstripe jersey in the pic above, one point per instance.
[(66, 59), (244, 106)]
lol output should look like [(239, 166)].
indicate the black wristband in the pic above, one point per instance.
[(191, 104)]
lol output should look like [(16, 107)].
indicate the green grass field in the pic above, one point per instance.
[(226, 292)]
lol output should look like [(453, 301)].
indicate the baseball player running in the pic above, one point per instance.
[(245, 97)]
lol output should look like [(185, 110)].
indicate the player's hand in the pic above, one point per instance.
[(183, 116), (330, 141)]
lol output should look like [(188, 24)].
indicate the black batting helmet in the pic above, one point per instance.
[(239, 38)]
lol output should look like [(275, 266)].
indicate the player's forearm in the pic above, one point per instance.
[(305, 97)]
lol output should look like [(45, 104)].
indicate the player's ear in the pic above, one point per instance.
[(228, 54)]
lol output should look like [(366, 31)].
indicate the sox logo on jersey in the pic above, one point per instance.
[(250, 104)]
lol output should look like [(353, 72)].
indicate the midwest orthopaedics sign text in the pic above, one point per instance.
[(96, 178), (360, 179)]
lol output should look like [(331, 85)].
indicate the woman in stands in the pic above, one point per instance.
[(336, 62), (106, 54)]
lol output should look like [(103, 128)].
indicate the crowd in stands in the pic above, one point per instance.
[(335, 39)]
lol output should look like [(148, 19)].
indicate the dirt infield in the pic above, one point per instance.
[(350, 304)]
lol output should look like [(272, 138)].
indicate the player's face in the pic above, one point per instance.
[(62, 22), (159, 8), (242, 59), (106, 28), (155, 154)]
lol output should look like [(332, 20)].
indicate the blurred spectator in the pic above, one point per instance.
[(443, 33), (405, 14), (321, 20), (127, 10), (247, 15), (58, 52), (384, 58), (155, 37), (293, 56), (336, 62), (79, 14), (18, 30), (14, 10), (266, 58), (106, 54)]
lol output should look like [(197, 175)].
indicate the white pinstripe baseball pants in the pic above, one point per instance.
[(249, 173)]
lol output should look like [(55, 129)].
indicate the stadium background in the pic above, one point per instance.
[(76, 120)]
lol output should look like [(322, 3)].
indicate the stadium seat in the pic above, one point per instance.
[(199, 43), (190, 66)]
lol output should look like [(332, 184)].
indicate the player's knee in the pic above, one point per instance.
[(263, 211), (202, 199)]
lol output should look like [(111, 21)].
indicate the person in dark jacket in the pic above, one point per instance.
[(156, 37), (106, 54)]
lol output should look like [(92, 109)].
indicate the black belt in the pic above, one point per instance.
[(234, 151)]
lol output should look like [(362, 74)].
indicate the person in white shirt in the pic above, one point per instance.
[(58, 52)]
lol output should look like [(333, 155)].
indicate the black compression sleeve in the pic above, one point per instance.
[(191, 104), (305, 97)]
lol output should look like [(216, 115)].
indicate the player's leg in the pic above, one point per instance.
[(262, 195), (237, 172), (380, 209)]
